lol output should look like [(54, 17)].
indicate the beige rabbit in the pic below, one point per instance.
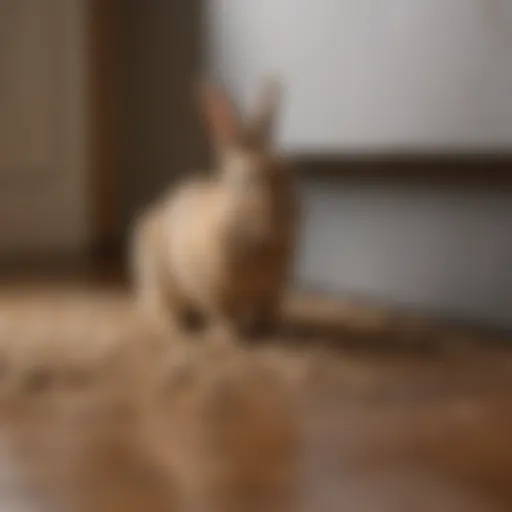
[(222, 247)]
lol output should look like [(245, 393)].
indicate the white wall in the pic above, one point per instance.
[(372, 74), (441, 250)]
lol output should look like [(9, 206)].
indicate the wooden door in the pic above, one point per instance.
[(44, 155)]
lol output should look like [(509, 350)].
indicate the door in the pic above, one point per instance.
[(43, 127)]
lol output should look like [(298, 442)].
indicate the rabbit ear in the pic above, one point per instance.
[(220, 113), (261, 124)]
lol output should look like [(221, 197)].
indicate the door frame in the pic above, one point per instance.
[(105, 96)]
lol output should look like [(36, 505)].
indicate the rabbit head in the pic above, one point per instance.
[(243, 146)]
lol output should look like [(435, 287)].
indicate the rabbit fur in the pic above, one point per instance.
[(222, 246)]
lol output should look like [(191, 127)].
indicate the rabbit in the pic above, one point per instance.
[(221, 247)]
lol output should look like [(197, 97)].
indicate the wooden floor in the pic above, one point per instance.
[(347, 409)]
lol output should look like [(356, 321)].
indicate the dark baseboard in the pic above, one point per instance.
[(105, 260), (449, 169)]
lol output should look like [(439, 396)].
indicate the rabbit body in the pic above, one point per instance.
[(208, 247), (221, 246)]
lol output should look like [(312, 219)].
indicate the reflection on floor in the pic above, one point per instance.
[(345, 410)]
